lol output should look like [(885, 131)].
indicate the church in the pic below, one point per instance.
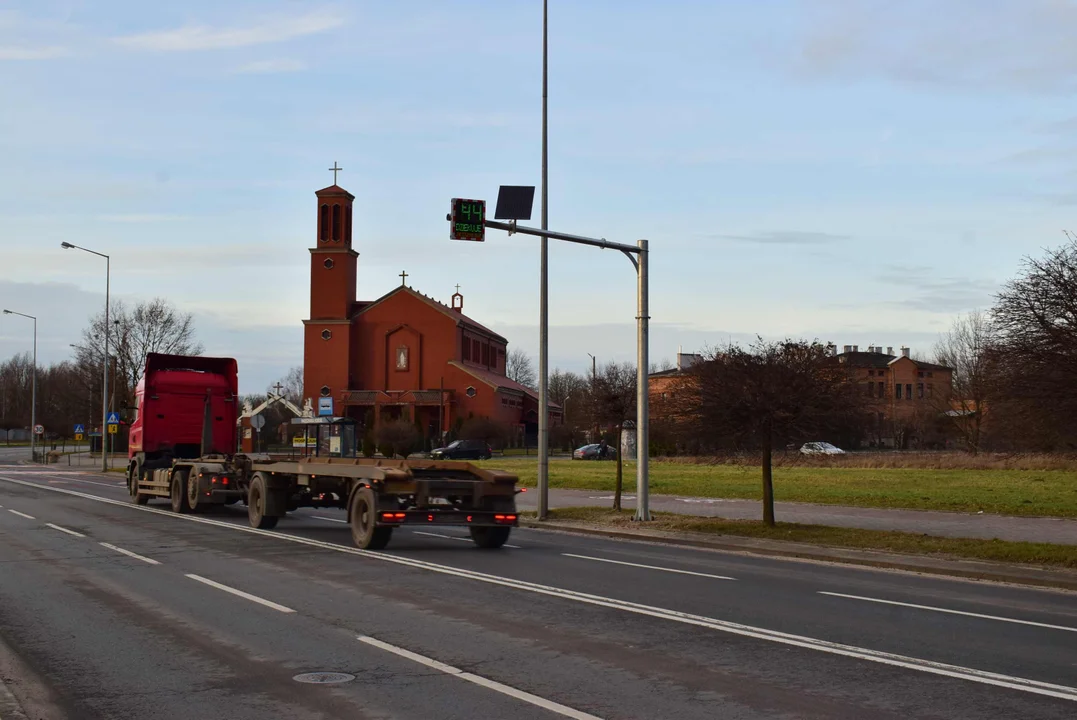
[(404, 354)]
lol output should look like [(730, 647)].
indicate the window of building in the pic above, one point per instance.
[(920, 374), (908, 391), (326, 334), (467, 349), (323, 224), (328, 263), (931, 374), (920, 390), (471, 391), (336, 223), (476, 353), (930, 390), (486, 355), (897, 391), (882, 390)]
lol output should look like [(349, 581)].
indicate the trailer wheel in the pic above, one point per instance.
[(193, 498), (363, 516), (490, 538), (257, 497), (180, 503), (134, 474)]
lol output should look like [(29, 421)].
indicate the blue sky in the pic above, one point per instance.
[(856, 171)]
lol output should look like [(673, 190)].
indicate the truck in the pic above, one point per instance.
[(183, 446)]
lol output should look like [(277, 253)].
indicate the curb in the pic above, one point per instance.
[(967, 569)]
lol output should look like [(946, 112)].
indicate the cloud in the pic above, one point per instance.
[(787, 237), (260, 67), (201, 37), (140, 218), (45, 52), (922, 290)]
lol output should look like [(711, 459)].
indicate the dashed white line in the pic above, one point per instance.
[(240, 593), (952, 612), (22, 514), (907, 662), (329, 519), (128, 553), (454, 537), (649, 567), (64, 530), (563, 710)]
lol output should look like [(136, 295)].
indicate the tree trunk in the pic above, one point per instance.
[(768, 484), (617, 490)]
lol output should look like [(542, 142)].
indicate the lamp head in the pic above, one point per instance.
[(7, 312), (66, 245)]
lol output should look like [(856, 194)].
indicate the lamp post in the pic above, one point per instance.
[(544, 316), (104, 365), (33, 390)]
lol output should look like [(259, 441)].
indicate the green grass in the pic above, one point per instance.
[(1002, 491), (995, 550)]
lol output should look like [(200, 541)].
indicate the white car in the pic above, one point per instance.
[(820, 448)]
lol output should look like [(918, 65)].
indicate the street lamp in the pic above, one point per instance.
[(104, 365), (33, 391)]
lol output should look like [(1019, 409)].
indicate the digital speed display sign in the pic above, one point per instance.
[(467, 220)]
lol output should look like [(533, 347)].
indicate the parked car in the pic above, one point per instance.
[(464, 450), (594, 451), (820, 448)]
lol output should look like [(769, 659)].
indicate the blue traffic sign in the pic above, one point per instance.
[(113, 418), (80, 429)]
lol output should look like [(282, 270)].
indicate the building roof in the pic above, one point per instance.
[(882, 361), (666, 373), (334, 190), (498, 382), (461, 319)]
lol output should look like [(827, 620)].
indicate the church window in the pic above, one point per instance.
[(467, 349), (328, 263), (336, 223), (326, 334), (485, 354), (475, 352), (471, 391), (323, 224), (347, 224), (325, 391)]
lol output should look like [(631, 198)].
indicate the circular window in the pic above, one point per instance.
[(325, 391), (471, 391), (328, 263), (326, 334)]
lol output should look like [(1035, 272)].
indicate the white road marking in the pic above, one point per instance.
[(329, 519), (512, 692), (130, 554), (952, 612), (240, 593), (454, 537), (20, 514), (64, 530), (93, 482), (649, 567), (1011, 682)]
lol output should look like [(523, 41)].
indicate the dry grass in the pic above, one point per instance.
[(897, 460), (1064, 556)]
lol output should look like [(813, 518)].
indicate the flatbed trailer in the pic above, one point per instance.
[(378, 494)]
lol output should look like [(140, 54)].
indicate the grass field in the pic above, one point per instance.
[(995, 550), (1001, 491)]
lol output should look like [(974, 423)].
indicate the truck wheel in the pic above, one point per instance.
[(257, 497), (363, 515), (193, 498), (490, 538), (134, 472), (180, 502)]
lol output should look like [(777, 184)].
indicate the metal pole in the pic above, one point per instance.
[(643, 510), (544, 404), (104, 373), (33, 400)]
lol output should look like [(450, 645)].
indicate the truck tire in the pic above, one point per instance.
[(193, 495), (490, 538), (134, 473), (257, 501), (178, 492), (363, 516)]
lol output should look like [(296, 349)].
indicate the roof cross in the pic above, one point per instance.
[(457, 288), (335, 170), (403, 278), (278, 387)]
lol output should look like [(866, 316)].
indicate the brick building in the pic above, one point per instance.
[(401, 354)]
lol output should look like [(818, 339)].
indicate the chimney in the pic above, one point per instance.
[(889, 351), (856, 348), (904, 351), (848, 348)]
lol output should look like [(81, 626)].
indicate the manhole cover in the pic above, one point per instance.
[(324, 678)]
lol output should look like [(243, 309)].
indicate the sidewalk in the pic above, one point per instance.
[(942, 524)]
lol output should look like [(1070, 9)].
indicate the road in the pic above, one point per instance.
[(108, 610), (943, 524)]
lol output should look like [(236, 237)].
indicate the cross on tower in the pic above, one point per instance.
[(403, 278), (335, 170), (278, 387), (458, 288)]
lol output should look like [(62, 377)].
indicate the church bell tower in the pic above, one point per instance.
[(327, 333)]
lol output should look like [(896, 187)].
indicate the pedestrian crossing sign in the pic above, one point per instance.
[(113, 418), (80, 429)]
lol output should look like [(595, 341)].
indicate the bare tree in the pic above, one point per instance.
[(770, 394), (573, 393), (519, 367), (615, 403), (964, 349)]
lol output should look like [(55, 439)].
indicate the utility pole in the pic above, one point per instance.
[(544, 317), (594, 389)]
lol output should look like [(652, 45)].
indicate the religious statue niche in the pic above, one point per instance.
[(402, 358)]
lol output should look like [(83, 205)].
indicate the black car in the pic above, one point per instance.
[(464, 450)]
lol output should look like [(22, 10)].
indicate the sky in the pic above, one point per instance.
[(858, 172)]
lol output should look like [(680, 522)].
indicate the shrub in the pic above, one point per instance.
[(398, 437)]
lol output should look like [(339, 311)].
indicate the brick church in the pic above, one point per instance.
[(401, 354)]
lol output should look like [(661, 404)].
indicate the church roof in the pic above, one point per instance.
[(460, 318), (497, 381), (334, 190)]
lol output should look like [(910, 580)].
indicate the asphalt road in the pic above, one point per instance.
[(112, 611)]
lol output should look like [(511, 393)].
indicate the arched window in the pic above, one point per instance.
[(323, 224), (336, 223), (347, 224)]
